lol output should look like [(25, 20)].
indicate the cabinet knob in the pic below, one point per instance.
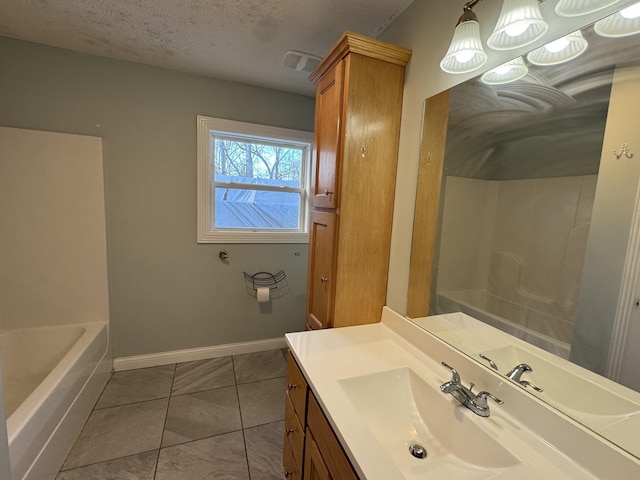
[(291, 386), (328, 192), (324, 279), (289, 431), (287, 473)]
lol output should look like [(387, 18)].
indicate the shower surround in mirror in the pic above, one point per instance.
[(514, 249)]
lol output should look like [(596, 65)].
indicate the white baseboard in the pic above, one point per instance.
[(191, 354)]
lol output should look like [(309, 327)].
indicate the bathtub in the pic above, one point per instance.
[(532, 326), (52, 377)]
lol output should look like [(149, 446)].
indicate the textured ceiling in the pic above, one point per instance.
[(238, 40)]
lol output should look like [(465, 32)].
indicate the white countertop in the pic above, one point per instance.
[(328, 356)]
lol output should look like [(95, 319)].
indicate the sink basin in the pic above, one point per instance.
[(572, 393), (401, 409)]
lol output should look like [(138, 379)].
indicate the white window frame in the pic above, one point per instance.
[(207, 231)]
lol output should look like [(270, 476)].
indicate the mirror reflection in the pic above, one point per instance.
[(537, 207)]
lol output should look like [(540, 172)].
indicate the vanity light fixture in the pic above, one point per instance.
[(506, 73), (560, 50), (465, 53), (575, 8), (621, 24), (520, 23)]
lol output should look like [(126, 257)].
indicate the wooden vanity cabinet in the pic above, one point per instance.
[(357, 124), (314, 453), (295, 420)]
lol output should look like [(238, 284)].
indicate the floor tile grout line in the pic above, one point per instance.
[(106, 461), (203, 390), (193, 440), (263, 380), (246, 453), (244, 440), (242, 429), (130, 403), (233, 366), (84, 425), (164, 424)]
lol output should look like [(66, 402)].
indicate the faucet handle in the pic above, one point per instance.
[(481, 399), (455, 375), (527, 383)]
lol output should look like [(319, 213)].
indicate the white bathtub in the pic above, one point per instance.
[(540, 329), (52, 377)]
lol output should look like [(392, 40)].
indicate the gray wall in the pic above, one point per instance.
[(166, 291)]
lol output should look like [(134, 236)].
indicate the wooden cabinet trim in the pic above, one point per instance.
[(351, 42), (425, 221)]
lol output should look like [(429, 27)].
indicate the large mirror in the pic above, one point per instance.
[(538, 210)]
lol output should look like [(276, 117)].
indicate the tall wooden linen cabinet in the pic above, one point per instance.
[(357, 125)]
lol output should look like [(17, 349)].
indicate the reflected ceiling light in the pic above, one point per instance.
[(559, 51), (520, 23), (465, 53), (575, 8), (621, 24), (506, 73)]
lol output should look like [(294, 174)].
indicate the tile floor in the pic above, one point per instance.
[(211, 419)]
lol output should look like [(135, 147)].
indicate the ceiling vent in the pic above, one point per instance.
[(300, 61)]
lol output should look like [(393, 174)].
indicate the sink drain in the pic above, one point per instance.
[(417, 450)]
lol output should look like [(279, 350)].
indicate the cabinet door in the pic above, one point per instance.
[(334, 458), (327, 138), (321, 280), (314, 466)]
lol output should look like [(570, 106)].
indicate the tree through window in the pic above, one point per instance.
[(257, 179)]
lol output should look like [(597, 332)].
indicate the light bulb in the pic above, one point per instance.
[(505, 73), (631, 12), (517, 29), (502, 69), (464, 56), (557, 45)]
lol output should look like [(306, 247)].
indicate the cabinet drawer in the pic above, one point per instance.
[(293, 431), (297, 389), (291, 470)]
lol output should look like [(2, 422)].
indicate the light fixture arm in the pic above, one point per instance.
[(469, 5), (467, 12)]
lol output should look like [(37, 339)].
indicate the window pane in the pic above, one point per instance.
[(237, 208), (248, 160)]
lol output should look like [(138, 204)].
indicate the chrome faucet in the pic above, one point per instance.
[(516, 372), (476, 403)]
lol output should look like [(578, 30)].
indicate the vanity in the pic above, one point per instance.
[(375, 402)]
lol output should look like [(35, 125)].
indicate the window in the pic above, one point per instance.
[(252, 182)]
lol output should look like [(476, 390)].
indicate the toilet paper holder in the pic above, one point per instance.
[(276, 282)]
